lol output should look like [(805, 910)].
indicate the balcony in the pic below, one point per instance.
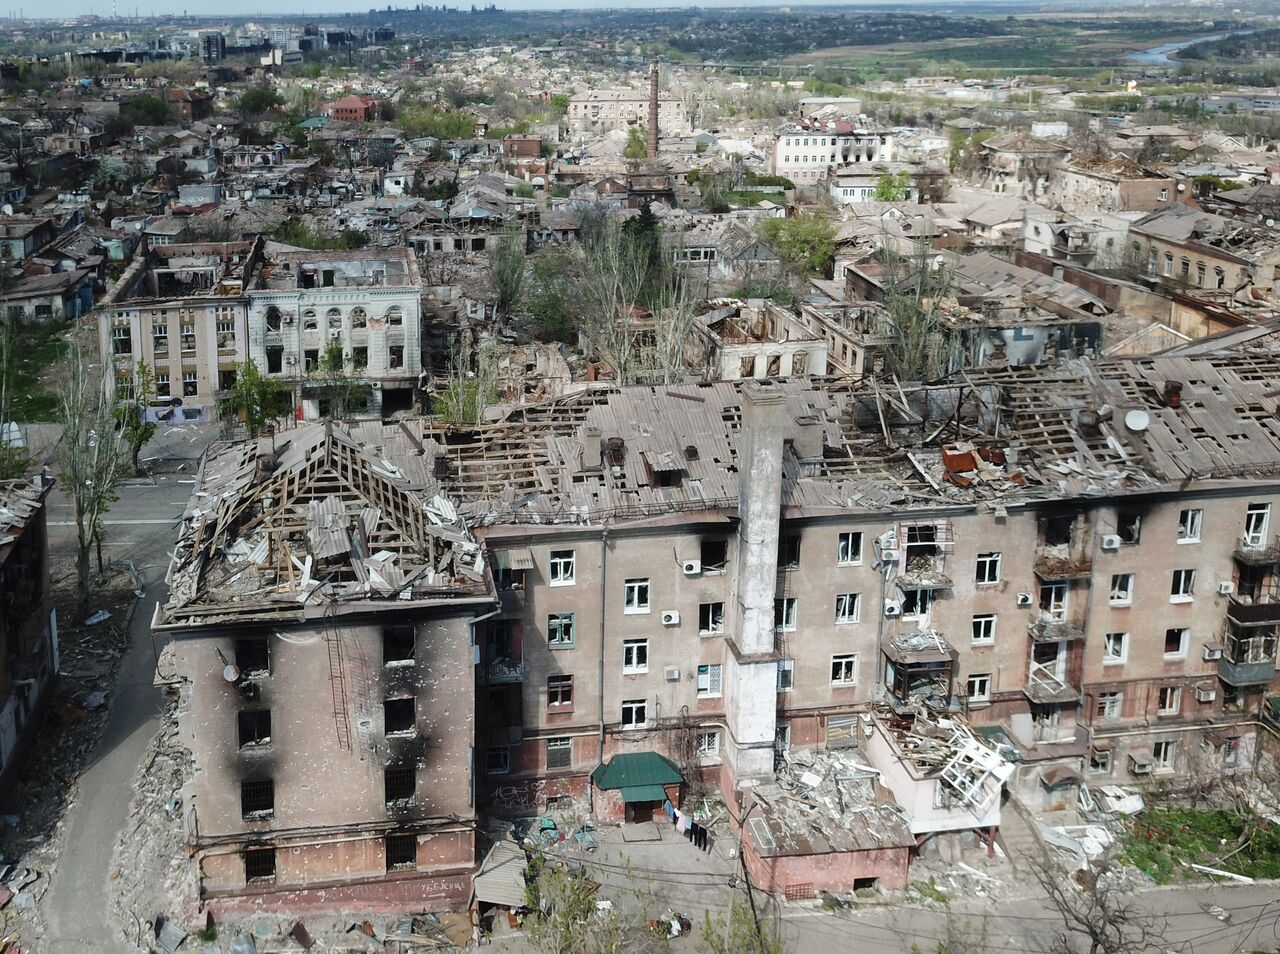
[(505, 670), (1251, 611), (1045, 687), (1058, 563), (1047, 629), (1252, 551), (1246, 673)]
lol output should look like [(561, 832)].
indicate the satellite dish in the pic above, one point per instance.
[(1271, 223), (1137, 421), (231, 672)]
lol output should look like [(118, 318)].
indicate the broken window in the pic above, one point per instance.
[(311, 359), (257, 799), (1255, 524), (635, 596), (560, 692), (1100, 762), (560, 630), (713, 554), (988, 570), (1169, 701), (1053, 600), (259, 864), (1121, 589), (916, 602), (1109, 704), (190, 383), (397, 644), (1115, 648), (984, 628), (1057, 530), (359, 318), (399, 716), (399, 783), (1183, 585), (711, 617), (122, 340), (1189, 522), (786, 674), (309, 321), (275, 359), (394, 316), (274, 319), (708, 743), (635, 656), (844, 669), (1128, 526), (1163, 754), (497, 760), (395, 356), (709, 680), (360, 357), (255, 727), (784, 614), (635, 714), (402, 851), (747, 367), (1175, 642), (561, 568), (789, 550), (560, 753), (253, 656), (848, 607), (978, 687), (849, 548)]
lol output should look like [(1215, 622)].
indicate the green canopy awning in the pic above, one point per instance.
[(635, 770), (644, 793)]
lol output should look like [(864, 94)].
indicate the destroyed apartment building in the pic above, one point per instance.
[(1022, 577), (193, 313)]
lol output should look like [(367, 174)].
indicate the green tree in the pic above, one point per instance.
[(548, 295), (145, 111), (334, 384), (256, 398), (742, 931), (804, 243), (892, 187), (14, 459), (506, 269), (258, 100), (131, 413), (635, 148)]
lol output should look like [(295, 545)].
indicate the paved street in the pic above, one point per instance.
[(139, 529)]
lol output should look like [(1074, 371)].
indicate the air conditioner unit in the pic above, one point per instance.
[(1111, 541), (670, 618), (1206, 694), (291, 359), (1139, 763), (888, 540), (892, 608), (1025, 599), (287, 319), (691, 567), (1226, 587), (888, 556), (1212, 653), (335, 334), (671, 674)]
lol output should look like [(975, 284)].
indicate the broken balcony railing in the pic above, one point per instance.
[(1046, 686)]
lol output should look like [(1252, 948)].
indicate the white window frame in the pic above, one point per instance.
[(710, 680), (924, 602), (708, 744), (1190, 524), (1164, 754), (788, 614), (635, 596), (849, 548), (562, 568), (985, 622), (1169, 700), (630, 708), (1183, 646), (1057, 608), (1110, 704), (1121, 592), (1257, 520), (1109, 642), (848, 674), (981, 680), (987, 570), (787, 669), (635, 656), (1183, 586), (712, 629), (848, 608)]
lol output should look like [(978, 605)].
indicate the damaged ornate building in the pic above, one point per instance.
[(1015, 576)]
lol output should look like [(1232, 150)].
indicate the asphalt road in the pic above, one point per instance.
[(140, 528)]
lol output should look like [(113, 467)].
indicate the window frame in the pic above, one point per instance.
[(1127, 598), (557, 563), (1112, 659), (713, 685), (1167, 761), (711, 629), (988, 621), (978, 677), (561, 691), (848, 670), (845, 553), (843, 603), (1109, 704), (634, 648), (1184, 643), (987, 562), (501, 766), (1190, 524), (400, 839), (1182, 586), (785, 611), (558, 743), (1173, 694), (629, 709), (556, 623), (704, 750), (632, 591)]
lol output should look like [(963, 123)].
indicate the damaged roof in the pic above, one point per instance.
[(317, 523)]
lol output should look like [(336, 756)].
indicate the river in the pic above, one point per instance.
[(1160, 55)]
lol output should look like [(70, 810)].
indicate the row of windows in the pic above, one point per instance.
[(275, 319), (400, 849)]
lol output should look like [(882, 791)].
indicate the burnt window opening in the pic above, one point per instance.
[(922, 540), (259, 864), (789, 550), (399, 783), (255, 727), (397, 644), (253, 656), (1057, 530), (275, 359), (257, 798), (398, 716), (1128, 526), (714, 554), (402, 851)]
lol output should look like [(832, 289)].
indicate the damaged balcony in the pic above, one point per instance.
[(505, 669), (1048, 684), (1061, 563), (1255, 550), (1049, 628), (924, 573), (1248, 655), (920, 667)]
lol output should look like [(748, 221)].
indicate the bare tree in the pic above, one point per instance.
[(568, 920), (914, 293), (611, 286), (91, 455), (1098, 907)]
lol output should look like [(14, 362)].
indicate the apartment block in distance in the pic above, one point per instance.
[(320, 612)]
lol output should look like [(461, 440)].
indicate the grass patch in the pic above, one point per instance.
[(1160, 840), (36, 349)]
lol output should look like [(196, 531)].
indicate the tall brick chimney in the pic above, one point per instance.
[(651, 144)]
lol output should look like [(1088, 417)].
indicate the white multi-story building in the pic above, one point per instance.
[(804, 152), (603, 110)]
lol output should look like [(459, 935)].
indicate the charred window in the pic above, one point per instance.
[(259, 864), (399, 783), (253, 656), (398, 716), (255, 727), (402, 851), (397, 644), (257, 798)]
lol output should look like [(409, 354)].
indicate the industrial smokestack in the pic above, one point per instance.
[(651, 144)]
